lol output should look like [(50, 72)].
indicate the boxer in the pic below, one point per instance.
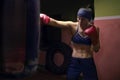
[(84, 42)]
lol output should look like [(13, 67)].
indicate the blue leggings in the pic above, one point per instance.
[(86, 66)]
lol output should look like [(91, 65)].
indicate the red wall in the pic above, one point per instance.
[(107, 59)]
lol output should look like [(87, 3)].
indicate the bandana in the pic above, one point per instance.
[(86, 13)]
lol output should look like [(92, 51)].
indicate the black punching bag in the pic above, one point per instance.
[(1, 32), (32, 35), (19, 37)]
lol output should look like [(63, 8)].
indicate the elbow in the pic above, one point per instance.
[(96, 48)]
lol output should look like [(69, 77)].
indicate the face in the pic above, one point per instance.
[(83, 22)]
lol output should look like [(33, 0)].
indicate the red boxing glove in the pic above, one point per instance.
[(44, 18), (91, 31)]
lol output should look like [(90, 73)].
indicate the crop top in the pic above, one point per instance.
[(77, 38)]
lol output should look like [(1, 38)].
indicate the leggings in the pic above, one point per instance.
[(86, 66)]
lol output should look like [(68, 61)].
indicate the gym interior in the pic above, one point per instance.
[(24, 41)]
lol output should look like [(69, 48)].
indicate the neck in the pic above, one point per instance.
[(86, 26)]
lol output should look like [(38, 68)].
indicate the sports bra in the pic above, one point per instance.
[(79, 39)]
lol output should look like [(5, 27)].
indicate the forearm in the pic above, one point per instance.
[(95, 43), (58, 23), (44, 19), (96, 47), (93, 33)]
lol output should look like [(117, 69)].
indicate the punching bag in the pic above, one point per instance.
[(32, 35), (20, 37), (1, 47)]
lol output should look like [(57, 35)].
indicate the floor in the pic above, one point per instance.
[(45, 75), (42, 74)]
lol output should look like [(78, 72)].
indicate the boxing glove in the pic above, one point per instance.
[(90, 31), (93, 34), (44, 18)]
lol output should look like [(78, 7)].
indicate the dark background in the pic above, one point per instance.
[(60, 10)]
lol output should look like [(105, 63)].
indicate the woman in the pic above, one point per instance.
[(84, 41)]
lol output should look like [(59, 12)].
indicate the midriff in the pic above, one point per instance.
[(81, 51)]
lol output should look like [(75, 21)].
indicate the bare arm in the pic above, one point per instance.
[(56, 23), (96, 41), (93, 33), (61, 24)]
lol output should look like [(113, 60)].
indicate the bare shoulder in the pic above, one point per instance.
[(73, 25), (61, 24)]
